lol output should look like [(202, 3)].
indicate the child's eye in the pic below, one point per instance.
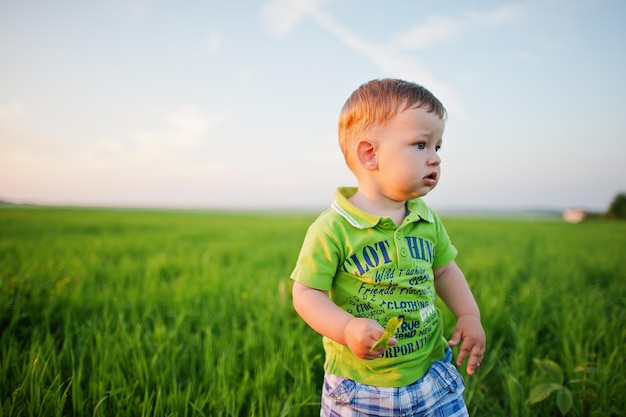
[(420, 145), (437, 148)]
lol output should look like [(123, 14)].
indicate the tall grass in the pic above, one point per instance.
[(109, 313), (547, 290), (152, 313)]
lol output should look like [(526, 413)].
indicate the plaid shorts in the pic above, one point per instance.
[(439, 393)]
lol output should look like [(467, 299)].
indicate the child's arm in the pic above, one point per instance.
[(453, 289), (323, 315)]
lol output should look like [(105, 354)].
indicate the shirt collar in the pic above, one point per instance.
[(417, 210)]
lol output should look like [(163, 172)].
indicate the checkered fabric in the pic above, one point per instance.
[(439, 393)]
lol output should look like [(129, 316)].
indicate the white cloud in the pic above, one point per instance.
[(135, 9), (191, 125), (11, 112), (503, 15), (435, 30), (392, 61), (214, 44), (351, 40), (246, 76), (280, 16), (439, 29), (391, 58), (181, 149)]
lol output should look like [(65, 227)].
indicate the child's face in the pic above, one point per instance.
[(407, 159)]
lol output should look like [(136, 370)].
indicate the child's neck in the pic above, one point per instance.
[(395, 210)]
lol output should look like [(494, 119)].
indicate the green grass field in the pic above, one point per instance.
[(155, 313)]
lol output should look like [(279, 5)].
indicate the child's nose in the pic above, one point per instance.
[(434, 158)]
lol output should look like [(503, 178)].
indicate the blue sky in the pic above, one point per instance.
[(235, 104)]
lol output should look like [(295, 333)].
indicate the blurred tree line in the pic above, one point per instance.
[(617, 208)]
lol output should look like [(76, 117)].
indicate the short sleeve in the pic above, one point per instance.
[(318, 259), (445, 251)]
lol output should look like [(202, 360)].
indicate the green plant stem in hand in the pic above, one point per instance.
[(393, 325)]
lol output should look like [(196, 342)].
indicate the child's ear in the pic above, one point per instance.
[(366, 154)]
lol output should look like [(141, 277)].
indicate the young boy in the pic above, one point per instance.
[(380, 252)]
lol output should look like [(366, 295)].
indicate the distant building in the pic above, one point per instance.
[(574, 215)]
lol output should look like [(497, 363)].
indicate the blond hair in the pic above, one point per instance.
[(378, 101)]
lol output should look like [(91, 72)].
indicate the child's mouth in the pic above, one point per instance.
[(431, 179)]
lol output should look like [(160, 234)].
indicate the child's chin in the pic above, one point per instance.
[(428, 189)]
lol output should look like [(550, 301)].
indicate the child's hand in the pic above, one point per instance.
[(361, 334), (470, 331)]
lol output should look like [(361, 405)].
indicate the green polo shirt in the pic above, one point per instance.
[(374, 269)]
